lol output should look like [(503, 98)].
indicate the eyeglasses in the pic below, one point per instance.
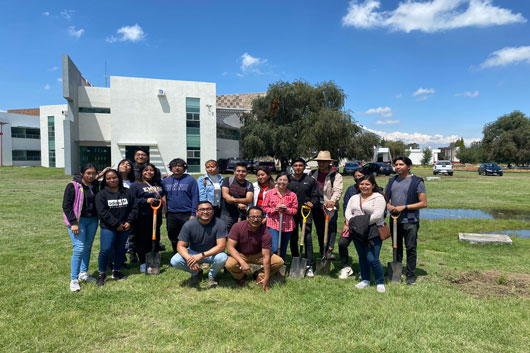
[(255, 217), (205, 209)]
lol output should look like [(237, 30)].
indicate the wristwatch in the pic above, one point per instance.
[(202, 253), (406, 207)]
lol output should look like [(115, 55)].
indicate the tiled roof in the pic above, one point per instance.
[(243, 100)]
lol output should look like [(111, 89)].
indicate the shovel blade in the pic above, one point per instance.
[(323, 267), (395, 269), (297, 269), (152, 263)]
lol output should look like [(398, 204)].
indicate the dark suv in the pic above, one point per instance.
[(268, 165), (377, 168), (489, 169), (350, 168)]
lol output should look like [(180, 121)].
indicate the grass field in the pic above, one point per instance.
[(468, 298)]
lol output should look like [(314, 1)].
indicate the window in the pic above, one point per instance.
[(94, 110), (229, 134), (26, 155), (25, 133), (98, 156), (193, 134), (51, 141)]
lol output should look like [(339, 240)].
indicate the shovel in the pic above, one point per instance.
[(283, 269), (324, 264), (395, 268), (152, 259), (299, 264)]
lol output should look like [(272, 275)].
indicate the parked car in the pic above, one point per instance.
[(250, 165), (350, 168), (489, 169), (269, 165), (223, 164), (442, 167), (377, 168), (231, 165)]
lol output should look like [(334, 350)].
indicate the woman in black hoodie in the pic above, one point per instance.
[(117, 210), (148, 191), (80, 215)]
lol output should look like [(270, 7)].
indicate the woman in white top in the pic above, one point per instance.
[(210, 186), (263, 185), (368, 202), (126, 172)]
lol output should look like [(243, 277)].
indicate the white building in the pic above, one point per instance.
[(19, 140), (416, 155), (103, 125)]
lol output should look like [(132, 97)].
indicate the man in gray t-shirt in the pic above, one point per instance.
[(202, 240), (405, 193)]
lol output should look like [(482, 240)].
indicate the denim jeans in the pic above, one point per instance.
[(112, 244), (285, 241), (82, 244), (216, 261), (369, 258)]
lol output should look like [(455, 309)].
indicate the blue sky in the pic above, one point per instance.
[(423, 71)]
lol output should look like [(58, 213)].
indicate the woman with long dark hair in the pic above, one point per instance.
[(262, 185), (126, 170), (80, 215), (117, 210), (147, 191)]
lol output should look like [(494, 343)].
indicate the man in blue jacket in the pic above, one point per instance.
[(182, 198), (406, 193)]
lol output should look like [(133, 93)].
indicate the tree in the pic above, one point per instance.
[(397, 148), (298, 119), (472, 154), (427, 155), (507, 140)]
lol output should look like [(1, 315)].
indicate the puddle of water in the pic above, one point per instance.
[(447, 213), (521, 233)]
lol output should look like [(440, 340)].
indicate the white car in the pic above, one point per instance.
[(442, 167)]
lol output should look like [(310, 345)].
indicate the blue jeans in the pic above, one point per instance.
[(82, 244), (275, 234), (369, 258), (216, 261), (112, 243)]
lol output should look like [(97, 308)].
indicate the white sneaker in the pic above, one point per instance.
[(345, 272), (362, 284), (142, 268), (84, 276), (309, 272), (380, 288), (74, 285)]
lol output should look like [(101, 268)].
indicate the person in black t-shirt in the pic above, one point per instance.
[(238, 194)]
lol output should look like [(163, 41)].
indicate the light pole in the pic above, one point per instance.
[(2, 143)]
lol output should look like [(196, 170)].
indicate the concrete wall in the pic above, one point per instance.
[(9, 144), (89, 97), (94, 127), (227, 148), (60, 114), (71, 81), (141, 117)]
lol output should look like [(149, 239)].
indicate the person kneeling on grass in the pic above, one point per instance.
[(250, 242), (117, 210), (202, 240)]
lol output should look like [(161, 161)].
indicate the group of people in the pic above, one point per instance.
[(254, 223)]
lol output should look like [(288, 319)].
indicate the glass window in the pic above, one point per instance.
[(193, 131), (51, 141), (99, 156), (94, 110)]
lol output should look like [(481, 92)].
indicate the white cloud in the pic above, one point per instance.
[(47, 13), (507, 56), (429, 16), (47, 87), (55, 68), (75, 33), (421, 91), (385, 112), (132, 33), (67, 14), (1, 110), (250, 63), (422, 139), (60, 79), (387, 122), (468, 94)]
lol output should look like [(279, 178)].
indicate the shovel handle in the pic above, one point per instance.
[(395, 216), (326, 226), (155, 208), (305, 212), (280, 235)]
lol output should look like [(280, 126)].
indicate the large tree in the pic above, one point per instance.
[(507, 139), (472, 154), (397, 148), (427, 156), (298, 119)]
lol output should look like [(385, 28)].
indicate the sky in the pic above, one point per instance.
[(424, 71)]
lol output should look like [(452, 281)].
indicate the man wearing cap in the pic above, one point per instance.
[(330, 186), (306, 190)]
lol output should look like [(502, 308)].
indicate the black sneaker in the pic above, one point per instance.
[(410, 281), (117, 275), (194, 280), (161, 247), (102, 278)]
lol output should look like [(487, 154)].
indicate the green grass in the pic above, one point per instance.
[(325, 314)]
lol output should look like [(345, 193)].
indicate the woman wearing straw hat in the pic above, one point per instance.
[(330, 186)]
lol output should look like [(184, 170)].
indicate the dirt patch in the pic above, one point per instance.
[(484, 284)]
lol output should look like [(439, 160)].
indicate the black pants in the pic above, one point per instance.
[(174, 223), (230, 220), (407, 232), (217, 211), (144, 235), (308, 240), (319, 219), (343, 250)]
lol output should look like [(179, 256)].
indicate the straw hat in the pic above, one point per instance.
[(323, 156)]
